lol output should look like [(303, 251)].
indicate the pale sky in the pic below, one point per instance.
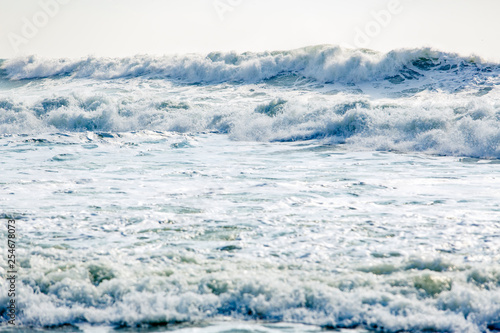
[(116, 28)]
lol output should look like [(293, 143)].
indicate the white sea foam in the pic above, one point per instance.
[(174, 287), (432, 122), (408, 100), (190, 229), (323, 63), (294, 187)]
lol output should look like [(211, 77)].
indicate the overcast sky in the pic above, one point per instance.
[(77, 28)]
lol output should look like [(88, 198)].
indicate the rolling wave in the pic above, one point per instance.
[(460, 127), (426, 296), (407, 100), (323, 63)]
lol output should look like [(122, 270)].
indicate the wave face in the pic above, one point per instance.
[(406, 100)]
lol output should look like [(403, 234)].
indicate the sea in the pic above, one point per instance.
[(308, 190)]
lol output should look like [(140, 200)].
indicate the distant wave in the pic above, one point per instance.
[(323, 63)]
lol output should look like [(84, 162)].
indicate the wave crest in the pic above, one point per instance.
[(323, 63)]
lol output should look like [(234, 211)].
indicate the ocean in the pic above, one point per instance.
[(306, 190)]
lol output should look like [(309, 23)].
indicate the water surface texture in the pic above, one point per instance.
[(287, 191)]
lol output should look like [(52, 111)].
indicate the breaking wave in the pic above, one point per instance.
[(460, 127), (426, 296), (405, 100), (322, 63)]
